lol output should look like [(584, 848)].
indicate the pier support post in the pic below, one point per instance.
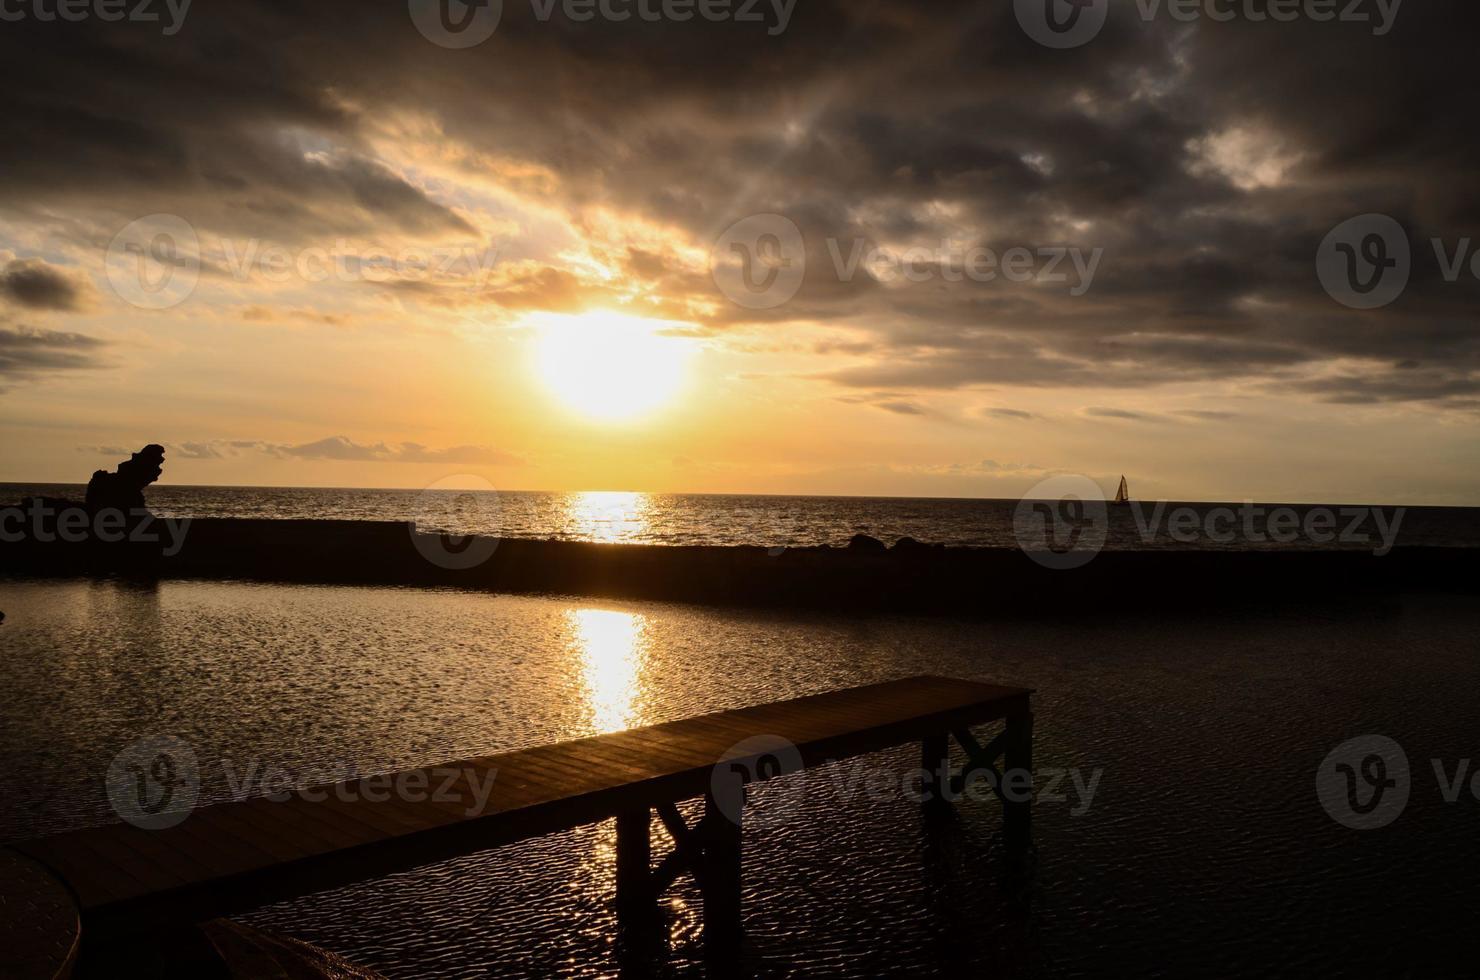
[(935, 760), (723, 932), (1018, 759), (636, 905)]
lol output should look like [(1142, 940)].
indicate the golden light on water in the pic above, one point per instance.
[(608, 515), (613, 647), (607, 366)]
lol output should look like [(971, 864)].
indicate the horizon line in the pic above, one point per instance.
[(743, 493)]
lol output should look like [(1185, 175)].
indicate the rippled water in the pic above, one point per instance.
[(1204, 850), (772, 521)]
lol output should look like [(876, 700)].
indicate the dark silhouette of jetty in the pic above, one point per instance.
[(866, 577), (132, 884)]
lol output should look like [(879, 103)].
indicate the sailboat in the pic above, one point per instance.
[(1123, 495)]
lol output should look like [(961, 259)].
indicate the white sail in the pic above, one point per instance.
[(1123, 495)]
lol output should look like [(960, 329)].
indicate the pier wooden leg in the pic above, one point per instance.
[(636, 905), (721, 860), (935, 760), (1017, 758)]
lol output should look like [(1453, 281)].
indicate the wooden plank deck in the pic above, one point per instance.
[(228, 858)]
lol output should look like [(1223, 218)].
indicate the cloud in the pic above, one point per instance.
[(982, 467), (38, 285), (334, 447), (27, 353), (886, 401), (257, 313), (1177, 152), (193, 450), (1431, 386), (1118, 413), (344, 449), (1007, 413)]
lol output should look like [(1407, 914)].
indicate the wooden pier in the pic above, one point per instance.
[(231, 857)]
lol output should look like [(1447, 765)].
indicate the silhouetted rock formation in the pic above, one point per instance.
[(862, 542), (110, 530), (124, 489)]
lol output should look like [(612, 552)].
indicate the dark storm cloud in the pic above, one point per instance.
[(1207, 161), (35, 284), (228, 123), (1403, 385), (26, 352)]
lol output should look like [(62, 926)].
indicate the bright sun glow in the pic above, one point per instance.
[(609, 366)]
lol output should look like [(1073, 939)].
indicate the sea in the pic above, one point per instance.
[(801, 521), (1180, 828)]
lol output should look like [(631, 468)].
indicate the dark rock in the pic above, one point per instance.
[(124, 490), (862, 542), (911, 546)]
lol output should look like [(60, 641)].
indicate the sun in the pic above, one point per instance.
[(608, 366)]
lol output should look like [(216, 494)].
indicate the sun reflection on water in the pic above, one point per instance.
[(608, 515), (613, 647)]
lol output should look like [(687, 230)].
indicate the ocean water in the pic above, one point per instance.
[(778, 521), (1202, 851)]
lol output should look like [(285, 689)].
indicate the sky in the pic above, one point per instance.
[(821, 247)]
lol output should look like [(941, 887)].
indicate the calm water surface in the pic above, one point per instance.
[(1203, 852), (773, 521)]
